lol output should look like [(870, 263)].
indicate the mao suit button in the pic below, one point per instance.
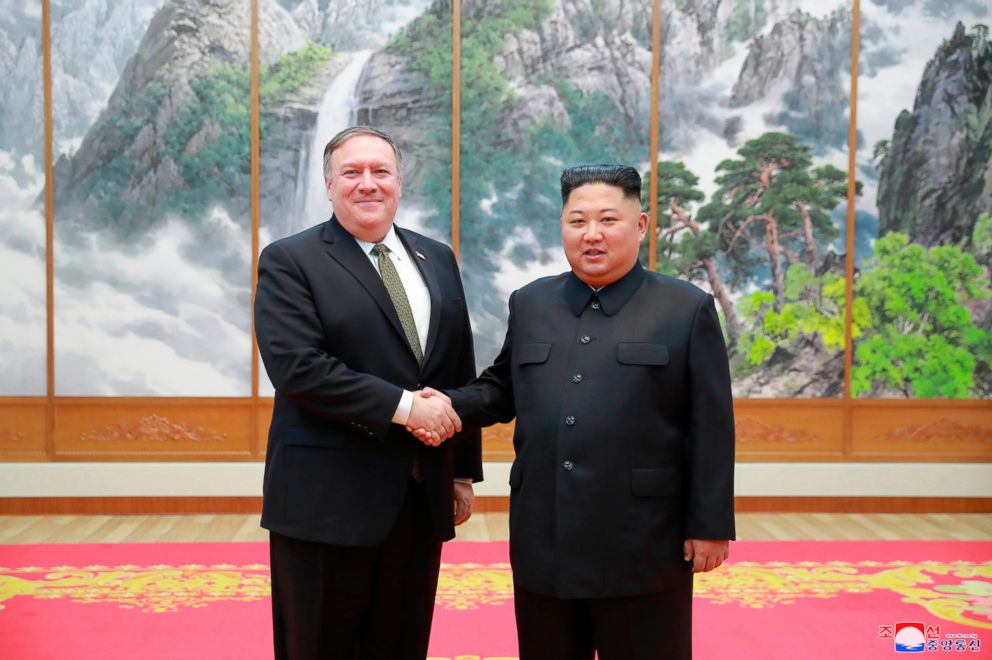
[(569, 421), (595, 304), (586, 339), (568, 465), (577, 378)]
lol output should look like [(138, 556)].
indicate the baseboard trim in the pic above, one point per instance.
[(863, 504), (30, 506), (217, 505)]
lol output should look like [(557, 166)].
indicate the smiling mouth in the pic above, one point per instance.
[(594, 253)]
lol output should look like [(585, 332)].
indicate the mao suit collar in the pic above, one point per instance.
[(612, 297)]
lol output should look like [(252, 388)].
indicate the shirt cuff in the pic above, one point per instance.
[(402, 413), (463, 480)]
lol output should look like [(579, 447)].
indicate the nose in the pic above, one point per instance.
[(367, 183), (593, 232)]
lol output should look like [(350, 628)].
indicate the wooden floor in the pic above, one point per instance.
[(492, 527)]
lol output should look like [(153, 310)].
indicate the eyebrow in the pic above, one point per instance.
[(606, 210), (372, 164)]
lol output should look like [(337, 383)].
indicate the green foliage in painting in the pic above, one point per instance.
[(290, 73), (814, 309), (209, 140), (922, 341), (773, 204), (206, 143)]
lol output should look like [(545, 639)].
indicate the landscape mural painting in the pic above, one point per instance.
[(22, 188), (151, 120), (152, 114), (923, 309), (752, 181), (329, 65), (546, 84)]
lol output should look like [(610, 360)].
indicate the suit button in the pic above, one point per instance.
[(586, 339), (577, 378), (569, 421), (420, 386), (568, 465), (595, 304)]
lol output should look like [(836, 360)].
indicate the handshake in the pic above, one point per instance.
[(432, 420)]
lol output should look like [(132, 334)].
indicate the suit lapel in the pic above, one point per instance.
[(341, 246), (426, 265)]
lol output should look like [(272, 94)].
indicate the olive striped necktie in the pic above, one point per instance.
[(394, 286)]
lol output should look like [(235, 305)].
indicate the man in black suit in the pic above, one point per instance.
[(622, 485), (352, 317)]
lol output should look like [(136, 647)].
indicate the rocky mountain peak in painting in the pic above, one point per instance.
[(936, 171), (594, 45), (85, 69), (131, 161), (802, 58)]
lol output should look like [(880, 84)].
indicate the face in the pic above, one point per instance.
[(365, 186), (601, 231)]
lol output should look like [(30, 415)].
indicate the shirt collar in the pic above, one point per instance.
[(612, 297), (391, 240)]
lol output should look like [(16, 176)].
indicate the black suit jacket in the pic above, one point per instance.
[(624, 437), (336, 468)]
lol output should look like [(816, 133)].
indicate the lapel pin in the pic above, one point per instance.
[(421, 255)]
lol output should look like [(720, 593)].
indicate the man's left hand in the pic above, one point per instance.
[(705, 555), (464, 501)]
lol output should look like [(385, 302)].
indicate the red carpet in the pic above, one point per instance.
[(810, 600)]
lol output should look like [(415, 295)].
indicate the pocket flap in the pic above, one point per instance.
[(654, 482), (533, 353), (633, 353)]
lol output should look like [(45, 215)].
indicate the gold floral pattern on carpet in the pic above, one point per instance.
[(959, 592), (146, 588)]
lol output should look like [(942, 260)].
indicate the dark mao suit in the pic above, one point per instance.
[(624, 436), (337, 470)]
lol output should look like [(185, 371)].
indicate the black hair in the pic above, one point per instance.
[(624, 177)]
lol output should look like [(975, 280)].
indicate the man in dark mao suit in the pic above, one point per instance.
[(348, 330), (622, 485)]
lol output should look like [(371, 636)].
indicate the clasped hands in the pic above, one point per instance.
[(432, 420)]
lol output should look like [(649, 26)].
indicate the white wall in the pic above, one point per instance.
[(245, 479)]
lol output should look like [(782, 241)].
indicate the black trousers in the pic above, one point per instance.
[(357, 603), (655, 626)]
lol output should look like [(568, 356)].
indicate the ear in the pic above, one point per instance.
[(642, 226)]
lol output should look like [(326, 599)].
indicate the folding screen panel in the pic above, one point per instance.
[(151, 116), (328, 66), (925, 155), (752, 181)]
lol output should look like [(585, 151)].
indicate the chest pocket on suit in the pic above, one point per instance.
[(642, 354), (532, 353)]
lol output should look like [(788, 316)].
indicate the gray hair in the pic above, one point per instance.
[(348, 133)]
